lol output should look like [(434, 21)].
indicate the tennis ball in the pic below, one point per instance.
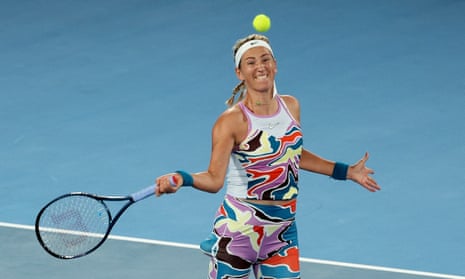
[(261, 23)]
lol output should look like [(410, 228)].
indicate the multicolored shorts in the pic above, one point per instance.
[(247, 236)]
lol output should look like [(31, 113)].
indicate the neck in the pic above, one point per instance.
[(264, 106), (260, 98), (260, 103)]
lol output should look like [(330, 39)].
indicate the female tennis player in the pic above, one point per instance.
[(257, 152)]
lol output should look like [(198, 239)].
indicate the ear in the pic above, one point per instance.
[(239, 74)]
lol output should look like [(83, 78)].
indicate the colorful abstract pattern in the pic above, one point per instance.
[(271, 164), (246, 237)]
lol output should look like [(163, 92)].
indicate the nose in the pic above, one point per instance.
[(261, 65)]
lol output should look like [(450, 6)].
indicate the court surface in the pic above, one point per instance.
[(103, 96), (123, 257)]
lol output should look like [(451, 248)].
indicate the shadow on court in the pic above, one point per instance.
[(22, 257)]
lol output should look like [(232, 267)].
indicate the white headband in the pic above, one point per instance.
[(248, 45)]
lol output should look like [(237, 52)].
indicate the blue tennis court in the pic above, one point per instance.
[(104, 96)]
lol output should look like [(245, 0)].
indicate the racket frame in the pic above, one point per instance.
[(101, 199)]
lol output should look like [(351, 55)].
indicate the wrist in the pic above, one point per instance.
[(187, 179), (340, 171)]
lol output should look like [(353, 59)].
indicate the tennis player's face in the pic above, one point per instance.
[(257, 69)]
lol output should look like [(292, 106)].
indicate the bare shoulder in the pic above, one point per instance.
[(293, 105), (232, 122), (290, 100), (232, 115)]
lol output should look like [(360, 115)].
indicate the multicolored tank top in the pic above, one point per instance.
[(265, 165)]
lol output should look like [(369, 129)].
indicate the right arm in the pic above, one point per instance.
[(224, 135), (212, 179)]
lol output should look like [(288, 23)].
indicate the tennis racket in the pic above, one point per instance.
[(76, 224)]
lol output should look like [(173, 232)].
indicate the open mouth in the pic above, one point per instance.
[(261, 77)]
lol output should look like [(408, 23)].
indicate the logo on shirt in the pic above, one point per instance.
[(271, 125)]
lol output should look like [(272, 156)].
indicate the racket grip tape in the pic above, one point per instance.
[(150, 190), (144, 193), (173, 181)]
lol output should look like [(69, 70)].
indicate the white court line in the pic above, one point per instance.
[(381, 268), (72, 232), (306, 260)]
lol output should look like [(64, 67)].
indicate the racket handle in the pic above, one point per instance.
[(148, 191), (144, 193), (173, 181)]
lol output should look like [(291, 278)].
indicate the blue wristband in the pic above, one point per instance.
[(340, 171), (187, 179)]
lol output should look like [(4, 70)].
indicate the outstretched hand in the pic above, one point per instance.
[(360, 174)]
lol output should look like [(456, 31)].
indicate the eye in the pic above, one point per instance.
[(266, 59), (250, 62)]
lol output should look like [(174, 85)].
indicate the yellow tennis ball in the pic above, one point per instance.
[(261, 23)]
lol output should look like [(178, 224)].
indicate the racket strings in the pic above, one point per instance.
[(73, 225)]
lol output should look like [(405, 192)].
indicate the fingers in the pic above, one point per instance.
[(166, 184), (364, 158), (371, 185), (369, 171), (361, 163)]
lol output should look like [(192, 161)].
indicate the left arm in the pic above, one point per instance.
[(309, 161)]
